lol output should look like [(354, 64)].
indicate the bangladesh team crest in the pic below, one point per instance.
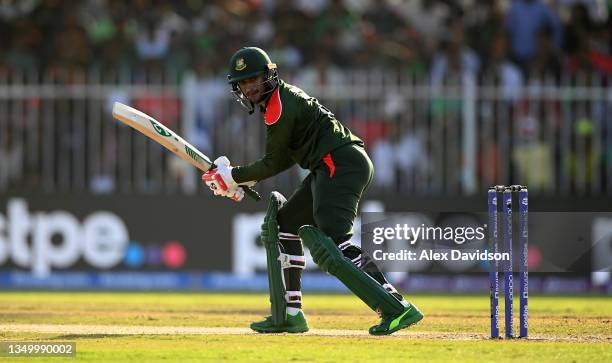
[(240, 64)]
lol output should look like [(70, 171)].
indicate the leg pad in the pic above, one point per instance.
[(330, 259), (269, 237)]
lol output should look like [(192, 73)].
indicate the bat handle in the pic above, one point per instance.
[(251, 192), (247, 190)]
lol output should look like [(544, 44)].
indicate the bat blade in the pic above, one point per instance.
[(155, 130)]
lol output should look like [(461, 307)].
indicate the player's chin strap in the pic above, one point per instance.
[(242, 99)]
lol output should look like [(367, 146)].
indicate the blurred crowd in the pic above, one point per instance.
[(414, 141), (516, 37)]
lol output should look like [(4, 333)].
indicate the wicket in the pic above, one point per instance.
[(511, 196)]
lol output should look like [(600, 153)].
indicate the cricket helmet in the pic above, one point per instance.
[(249, 62)]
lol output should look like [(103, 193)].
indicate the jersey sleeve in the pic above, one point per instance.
[(276, 158), (280, 120)]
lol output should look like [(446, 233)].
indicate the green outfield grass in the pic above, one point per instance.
[(454, 329)]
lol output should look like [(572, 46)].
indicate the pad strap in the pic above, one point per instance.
[(293, 297), (288, 236), (355, 259), (344, 245), (292, 261), (390, 288)]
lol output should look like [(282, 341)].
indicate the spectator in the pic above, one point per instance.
[(593, 54), (546, 61), (115, 55), (25, 38), (598, 10), (583, 159), (532, 156), (97, 20), (428, 18), (263, 30), (311, 7), (412, 157), (524, 21), (384, 157), (152, 41), (456, 60), (484, 26), (322, 72), (579, 24), (11, 10), (204, 89), (501, 72), (72, 53), (285, 53)]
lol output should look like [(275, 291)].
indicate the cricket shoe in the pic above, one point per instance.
[(392, 323), (294, 324)]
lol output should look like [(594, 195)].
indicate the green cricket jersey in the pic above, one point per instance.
[(298, 130)]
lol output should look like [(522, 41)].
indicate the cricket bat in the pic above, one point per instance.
[(153, 129)]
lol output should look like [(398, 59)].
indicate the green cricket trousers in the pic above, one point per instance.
[(329, 196)]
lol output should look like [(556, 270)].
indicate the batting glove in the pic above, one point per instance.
[(221, 182)]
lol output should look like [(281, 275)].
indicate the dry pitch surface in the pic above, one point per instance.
[(169, 327)]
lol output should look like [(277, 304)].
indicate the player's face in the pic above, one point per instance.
[(254, 88)]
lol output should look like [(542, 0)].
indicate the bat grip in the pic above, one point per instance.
[(251, 192), (247, 190)]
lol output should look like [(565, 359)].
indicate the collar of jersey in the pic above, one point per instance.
[(269, 96)]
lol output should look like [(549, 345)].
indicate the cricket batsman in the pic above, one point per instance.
[(320, 213)]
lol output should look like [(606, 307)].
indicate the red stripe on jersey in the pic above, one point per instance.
[(274, 109), (327, 159)]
